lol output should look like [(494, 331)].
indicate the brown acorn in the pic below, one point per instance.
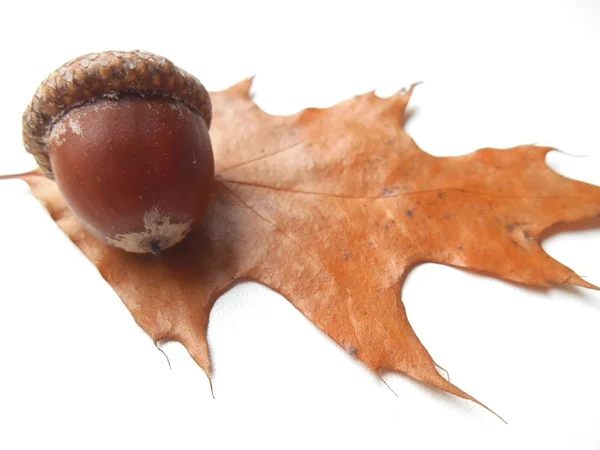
[(125, 137)]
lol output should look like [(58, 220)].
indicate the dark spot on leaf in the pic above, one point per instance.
[(409, 212), (442, 195), (510, 227), (346, 255), (388, 191), (447, 216), (352, 351)]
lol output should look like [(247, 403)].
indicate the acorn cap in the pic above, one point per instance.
[(101, 75)]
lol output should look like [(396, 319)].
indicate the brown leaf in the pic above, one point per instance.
[(332, 208)]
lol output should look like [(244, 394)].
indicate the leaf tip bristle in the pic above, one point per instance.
[(387, 385), (474, 400), (563, 152), (446, 373), (408, 91), (164, 354), (25, 176), (576, 280), (210, 384)]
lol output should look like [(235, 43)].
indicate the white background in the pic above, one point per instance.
[(76, 372)]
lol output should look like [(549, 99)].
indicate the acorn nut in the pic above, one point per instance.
[(125, 137)]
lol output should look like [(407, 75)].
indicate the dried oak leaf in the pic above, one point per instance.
[(332, 208)]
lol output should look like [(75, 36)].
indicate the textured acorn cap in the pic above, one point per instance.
[(101, 75)]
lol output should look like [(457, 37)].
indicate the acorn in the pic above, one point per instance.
[(125, 137)]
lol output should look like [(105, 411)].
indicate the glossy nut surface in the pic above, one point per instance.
[(137, 171)]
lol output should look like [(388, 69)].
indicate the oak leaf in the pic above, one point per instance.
[(332, 208)]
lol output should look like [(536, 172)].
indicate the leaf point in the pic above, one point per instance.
[(22, 176), (243, 87), (408, 91), (576, 280), (451, 388)]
